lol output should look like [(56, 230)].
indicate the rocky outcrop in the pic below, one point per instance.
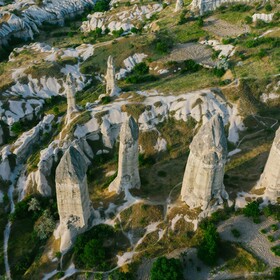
[(203, 6), (270, 179), (263, 17), (128, 172), (111, 85), (70, 95), (127, 19), (179, 5), (25, 23), (72, 197), (204, 173), (5, 166)]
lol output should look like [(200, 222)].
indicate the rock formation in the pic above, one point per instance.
[(72, 197), (270, 179), (203, 6), (128, 173), (263, 17), (179, 5), (70, 94), (204, 173), (24, 24), (111, 85)]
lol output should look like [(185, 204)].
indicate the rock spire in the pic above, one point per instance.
[(204, 173), (179, 5), (111, 85), (72, 196), (128, 172), (270, 179), (70, 95)]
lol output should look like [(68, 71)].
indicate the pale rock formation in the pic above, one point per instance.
[(263, 17), (25, 26), (111, 85), (5, 167), (270, 179), (71, 101), (126, 19), (203, 6), (204, 173), (128, 172), (72, 197), (129, 64), (24, 144), (179, 5)]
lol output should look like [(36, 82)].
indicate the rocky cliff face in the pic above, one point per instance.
[(204, 173), (128, 173), (72, 196), (111, 85), (24, 24), (270, 179)]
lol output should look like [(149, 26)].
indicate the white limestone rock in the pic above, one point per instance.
[(111, 85), (5, 167), (270, 179), (25, 26), (71, 101), (204, 173), (128, 172), (179, 5), (263, 17), (72, 197)]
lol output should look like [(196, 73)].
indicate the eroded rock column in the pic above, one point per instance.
[(111, 86), (179, 5), (204, 173), (270, 179), (72, 197), (128, 171), (70, 95)]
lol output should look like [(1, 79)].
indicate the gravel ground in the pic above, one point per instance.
[(222, 28)]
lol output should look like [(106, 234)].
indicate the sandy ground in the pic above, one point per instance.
[(222, 28), (200, 53)]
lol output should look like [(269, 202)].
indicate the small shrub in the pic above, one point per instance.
[(276, 273), (248, 20), (236, 233), (276, 250), (274, 227), (268, 7), (270, 238), (141, 69), (252, 210)]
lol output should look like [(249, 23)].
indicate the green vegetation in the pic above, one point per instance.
[(208, 248), (276, 250), (96, 248), (236, 233), (167, 269), (276, 273), (252, 210)]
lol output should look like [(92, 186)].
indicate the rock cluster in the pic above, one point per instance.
[(203, 6), (72, 197), (70, 95), (270, 179), (125, 20), (24, 24), (204, 173), (111, 85), (128, 172), (263, 17)]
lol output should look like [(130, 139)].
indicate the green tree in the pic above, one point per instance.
[(94, 254), (166, 269), (141, 68), (208, 248)]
